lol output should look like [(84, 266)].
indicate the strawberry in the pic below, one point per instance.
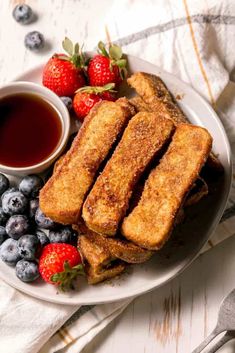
[(107, 67), (86, 97), (63, 73), (60, 264)]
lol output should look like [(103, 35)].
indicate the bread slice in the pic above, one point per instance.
[(158, 98), (150, 223), (118, 248), (62, 196), (107, 202), (99, 263), (139, 104)]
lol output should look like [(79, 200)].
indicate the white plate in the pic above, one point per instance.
[(176, 254)]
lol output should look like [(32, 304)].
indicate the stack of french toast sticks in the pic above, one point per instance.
[(131, 170)]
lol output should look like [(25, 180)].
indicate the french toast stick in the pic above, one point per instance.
[(62, 196), (157, 97), (150, 223), (139, 104), (118, 248), (107, 202), (99, 263)]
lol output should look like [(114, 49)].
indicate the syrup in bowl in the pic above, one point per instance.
[(30, 130)]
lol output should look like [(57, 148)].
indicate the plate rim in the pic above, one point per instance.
[(189, 259)]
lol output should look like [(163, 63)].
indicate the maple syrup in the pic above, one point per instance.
[(30, 130)]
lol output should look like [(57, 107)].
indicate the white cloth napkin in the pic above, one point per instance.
[(191, 39)]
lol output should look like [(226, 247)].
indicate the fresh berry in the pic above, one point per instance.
[(14, 202), (87, 97), (9, 252), (3, 234), (63, 73), (67, 102), (60, 264), (34, 41), (8, 191), (27, 271), (107, 67), (4, 183), (43, 221), (29, 246), (17, 226), (23, 14), (62, 235), (74, 238), (33, 206), (30, 185), (43, 238), (3, 217)]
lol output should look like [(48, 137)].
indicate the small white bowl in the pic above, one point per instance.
[(56, 102)]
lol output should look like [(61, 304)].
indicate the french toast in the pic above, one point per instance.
[(62, 196), (107, 202), (157, 97), (139, 104), (118, 248), (150, 223), (198, 191), (99, 263)]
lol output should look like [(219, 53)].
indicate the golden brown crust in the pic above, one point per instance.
[(139, 104), (94, 277), (95, 255), (157, 97), (62, 197), (150, 223), (107, 202), (118, 248), (58, 163), (99, 264)]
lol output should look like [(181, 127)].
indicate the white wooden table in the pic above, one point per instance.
[(176, 317)]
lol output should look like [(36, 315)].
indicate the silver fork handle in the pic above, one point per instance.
[(229, 335), (206, 341)]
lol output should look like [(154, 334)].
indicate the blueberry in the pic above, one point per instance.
[(34, 41), (3, 217), (27, 271), (62, 235), (14, 202), (30, 185), (28, 246), (43, 221), (8, 191), (9, 252), (43, 238), (17, 226), (23, 14), (67, 102), (3, 234), (74, 238), (33, 206), (4, 183)]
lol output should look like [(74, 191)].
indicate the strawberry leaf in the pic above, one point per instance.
[(65, 279), (67, 45), (62, 57), (115, 52), (76, 49), (97, 89), (102, 49), (123, 72), (121, 63)]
